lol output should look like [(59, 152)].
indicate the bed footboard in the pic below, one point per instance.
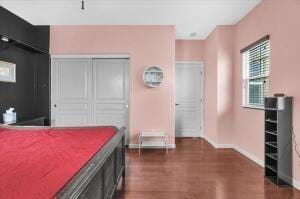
[(100, 177)]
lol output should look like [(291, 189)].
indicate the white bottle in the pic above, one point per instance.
[(9, 116)]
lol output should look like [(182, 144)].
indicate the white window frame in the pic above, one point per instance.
[(246, 80)]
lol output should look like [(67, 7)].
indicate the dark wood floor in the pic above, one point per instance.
[(195, 170)]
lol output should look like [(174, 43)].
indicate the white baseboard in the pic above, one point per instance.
[(249, 155), (136, 146), (224, 146), (216, 145), (296, 184), (238, 149)]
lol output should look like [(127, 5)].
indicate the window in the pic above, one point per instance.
[(256, 64)]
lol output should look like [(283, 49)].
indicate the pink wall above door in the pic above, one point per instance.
[(189, 50), (150, 109)]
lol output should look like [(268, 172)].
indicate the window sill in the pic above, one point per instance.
[(254, 107)]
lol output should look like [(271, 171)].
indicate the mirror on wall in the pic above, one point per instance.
[(7, 72)]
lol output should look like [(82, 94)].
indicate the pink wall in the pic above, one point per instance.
[(210, 87), (189, 50), (280, 19), (224, 118), (225, 83), (218, 85), (147, 45), (244, 127)]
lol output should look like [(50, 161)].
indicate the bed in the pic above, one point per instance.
[(62, 163)]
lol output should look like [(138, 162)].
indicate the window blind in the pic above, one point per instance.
[(256, 73)]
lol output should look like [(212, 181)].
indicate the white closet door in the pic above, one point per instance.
[(111, 92), (188, 100), (72, 92)]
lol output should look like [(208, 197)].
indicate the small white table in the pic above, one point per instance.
[(147, 135)]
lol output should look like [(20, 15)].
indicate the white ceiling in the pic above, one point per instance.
[(189, 16)]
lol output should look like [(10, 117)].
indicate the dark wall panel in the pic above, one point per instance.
[(21, 94), (43, 38), (23, 32), (29, 50), (42, 82)]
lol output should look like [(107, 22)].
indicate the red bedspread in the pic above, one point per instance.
[(38, 163)]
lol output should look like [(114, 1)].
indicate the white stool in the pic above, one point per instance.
[(154, 135)]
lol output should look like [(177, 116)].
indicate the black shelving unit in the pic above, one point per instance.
[(27, 46), (278, 140)]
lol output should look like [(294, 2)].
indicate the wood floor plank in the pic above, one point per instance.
[(196, 170)]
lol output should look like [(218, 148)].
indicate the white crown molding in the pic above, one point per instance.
[(199, 19)]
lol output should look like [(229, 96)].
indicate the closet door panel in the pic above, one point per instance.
[(73, 81), (110, 79), (73, 86), (111, 92)]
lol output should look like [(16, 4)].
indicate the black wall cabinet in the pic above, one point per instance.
[(24, 34), (28, 48)]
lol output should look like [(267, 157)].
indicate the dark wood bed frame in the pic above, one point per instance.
[(100, 177)]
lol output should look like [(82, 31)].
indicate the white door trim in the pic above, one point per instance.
[(91, 56), (190, 62), (201, 64)]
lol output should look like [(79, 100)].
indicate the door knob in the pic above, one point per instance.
[(176, 104), (126, 105), (55, 105)]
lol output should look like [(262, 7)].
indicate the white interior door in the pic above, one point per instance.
[(189, 99), (71, 92), (111, 92)]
